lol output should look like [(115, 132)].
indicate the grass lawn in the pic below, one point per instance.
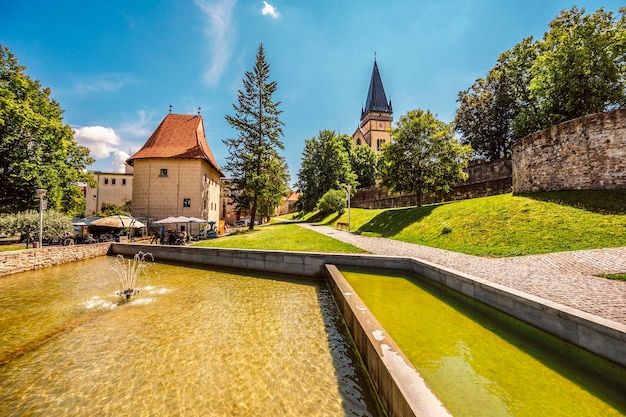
[(280, 236), (503, 225), (4, 248)]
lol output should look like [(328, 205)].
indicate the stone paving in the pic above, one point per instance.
[(565, 277)]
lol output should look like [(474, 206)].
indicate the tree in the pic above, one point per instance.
[(364, 163), (273, 195), (577, 69), (26, 223), (333, 201), (110, 209), (36, 149), (423, 156), (580, 69), (325, 166), (253, 160)]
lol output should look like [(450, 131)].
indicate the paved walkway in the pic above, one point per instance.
[(565, 277)]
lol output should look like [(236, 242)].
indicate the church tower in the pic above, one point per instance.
[(376, 117)]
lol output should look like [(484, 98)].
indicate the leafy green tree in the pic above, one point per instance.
[(110, 209), (26, 223), (259, 128), (36, 149), (325, 166), (423, 156), (577, 69), (580, 69), (272, 197), (333, 201), (364, 163)]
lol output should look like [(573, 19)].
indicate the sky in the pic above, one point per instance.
[(116, 66)]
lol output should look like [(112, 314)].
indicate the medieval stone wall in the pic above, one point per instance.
[(12, 262), (484, 179), (588, 153)]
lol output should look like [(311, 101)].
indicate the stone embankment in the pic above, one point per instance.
[(12, 262)]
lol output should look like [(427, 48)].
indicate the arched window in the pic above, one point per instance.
[(358, 141)]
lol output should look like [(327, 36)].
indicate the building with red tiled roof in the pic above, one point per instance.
[(175, 172)]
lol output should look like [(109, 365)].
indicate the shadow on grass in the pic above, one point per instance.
[(391, 222), (597, 201)]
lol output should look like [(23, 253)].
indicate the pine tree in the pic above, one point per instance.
[(252, 153)]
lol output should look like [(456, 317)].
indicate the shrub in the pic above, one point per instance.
[(333, 200)]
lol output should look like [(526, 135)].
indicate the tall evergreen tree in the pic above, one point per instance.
[(36, 149), (254, 160)]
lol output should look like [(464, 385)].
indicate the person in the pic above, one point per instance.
[(183, 237), (162, 234), (155, 238), (171, 238)]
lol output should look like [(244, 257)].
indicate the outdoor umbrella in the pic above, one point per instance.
[(117, 221)]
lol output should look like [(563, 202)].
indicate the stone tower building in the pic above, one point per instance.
[(175, 173), (376, 117)]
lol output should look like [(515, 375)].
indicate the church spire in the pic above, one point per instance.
[(376, 98)]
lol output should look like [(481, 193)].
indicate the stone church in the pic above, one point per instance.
[(376, 117)]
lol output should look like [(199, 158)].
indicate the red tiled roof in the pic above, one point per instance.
[(178, 136)]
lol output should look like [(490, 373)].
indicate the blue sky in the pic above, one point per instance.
[(116, 66)]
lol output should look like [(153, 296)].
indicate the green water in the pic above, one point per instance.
[(484, 363), (195, 342)]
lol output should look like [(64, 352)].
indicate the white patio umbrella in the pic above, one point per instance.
[(118, 221)]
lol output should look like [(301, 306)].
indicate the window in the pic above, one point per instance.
[(380, 143), (106, 181), (186, 202), (112, 181), (163, 172), (123, 181)]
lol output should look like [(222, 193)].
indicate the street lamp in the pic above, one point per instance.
[(40, 193), (348, 189)]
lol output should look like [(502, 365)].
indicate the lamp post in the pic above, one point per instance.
[(348, 189), (40, 193)]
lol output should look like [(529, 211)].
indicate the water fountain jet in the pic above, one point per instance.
[(128, 272)]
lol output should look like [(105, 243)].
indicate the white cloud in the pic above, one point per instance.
[(221, 35), (119, 161), (100, 141), (99, 83), (142, 128), (269, 10)]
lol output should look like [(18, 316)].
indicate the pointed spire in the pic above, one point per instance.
[(376, 98)]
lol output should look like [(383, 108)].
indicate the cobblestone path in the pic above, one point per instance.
[(564, 277)]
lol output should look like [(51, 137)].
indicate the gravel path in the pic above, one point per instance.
[(564, 277)]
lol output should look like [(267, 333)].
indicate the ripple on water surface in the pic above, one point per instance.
[(194, 342)]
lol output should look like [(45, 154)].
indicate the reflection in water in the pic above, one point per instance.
[(472, 388), (194, 342), (484, 363)]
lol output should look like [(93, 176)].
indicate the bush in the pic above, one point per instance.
[(333, 200)]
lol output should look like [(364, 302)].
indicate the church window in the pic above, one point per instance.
[(358, 141), (379, 143)]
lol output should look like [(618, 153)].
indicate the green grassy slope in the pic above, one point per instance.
[(504, 225)]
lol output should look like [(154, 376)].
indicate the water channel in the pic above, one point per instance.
[(193, 342), (484, 363)]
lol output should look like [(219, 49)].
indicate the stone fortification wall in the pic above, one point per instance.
[(588, 153), (12, 262), (484, 179)]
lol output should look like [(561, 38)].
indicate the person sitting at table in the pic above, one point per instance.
[(171, 238)]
